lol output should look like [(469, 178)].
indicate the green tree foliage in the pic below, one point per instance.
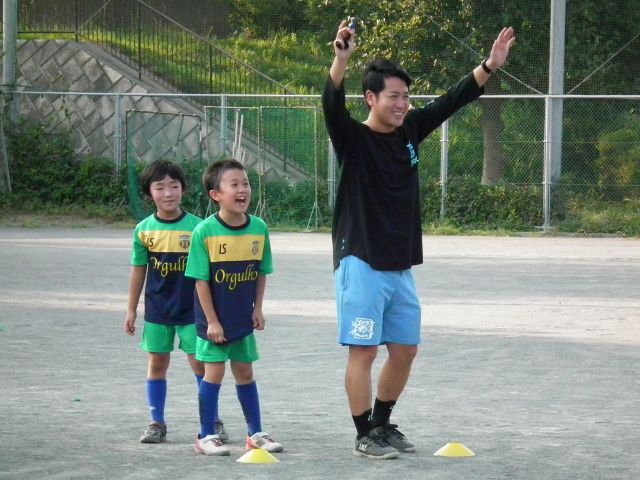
[(263, 17), (602, 42), (438, 42), (324, 16)]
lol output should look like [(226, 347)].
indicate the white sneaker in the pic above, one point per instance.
[(211, 445), (264, 441)]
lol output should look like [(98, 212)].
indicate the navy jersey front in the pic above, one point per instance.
[(163, 247), (230, 259)]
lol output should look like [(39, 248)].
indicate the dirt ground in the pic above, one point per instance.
[(530, 357)]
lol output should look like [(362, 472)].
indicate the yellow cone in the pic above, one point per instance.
[(454, 450), (257, 455)]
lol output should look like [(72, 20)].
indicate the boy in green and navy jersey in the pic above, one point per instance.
[(230, 257), (160, 250)]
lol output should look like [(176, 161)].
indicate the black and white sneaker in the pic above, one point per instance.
[(374, 446), (394, 437)]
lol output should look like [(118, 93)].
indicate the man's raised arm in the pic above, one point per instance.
[(497, 57), (343, 45)]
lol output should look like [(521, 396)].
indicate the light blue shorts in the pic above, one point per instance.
[(376, 307)]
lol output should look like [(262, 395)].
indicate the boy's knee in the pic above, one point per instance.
[(196, 365), (242, 372), (158, 365)]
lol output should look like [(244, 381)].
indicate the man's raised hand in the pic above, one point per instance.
[(345, 43), (500, 49)]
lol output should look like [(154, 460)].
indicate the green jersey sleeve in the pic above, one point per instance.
[(266, 265), (198, 264), (140, 253)]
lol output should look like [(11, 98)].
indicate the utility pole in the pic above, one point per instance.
[(554, 106), (556, 83), (9, 40)]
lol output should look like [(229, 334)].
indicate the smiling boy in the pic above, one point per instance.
[(229, 259), (160, 248)]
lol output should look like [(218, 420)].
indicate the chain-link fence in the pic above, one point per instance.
[(514, 161), (284, 143), (169, 136)]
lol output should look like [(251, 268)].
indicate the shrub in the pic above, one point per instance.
[(45, 171), (469, 204), (618, 162), (96, 183), (292, 204), (42, 165)]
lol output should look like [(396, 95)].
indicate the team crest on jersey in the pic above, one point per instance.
[(362, 328), (185, 241), (255, 248)]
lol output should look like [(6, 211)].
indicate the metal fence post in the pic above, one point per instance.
[(210, 72), (223, 124), (139, 28), (5, 174), (117, 134), (9, 62), (547, 170), (75, 19), (444, 167), (316, 208)]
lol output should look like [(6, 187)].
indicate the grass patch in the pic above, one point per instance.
[(597, 217), (293, 59), (48, 216)]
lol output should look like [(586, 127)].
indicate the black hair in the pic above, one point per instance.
[(377, 71), (159, 169), (213, 174)]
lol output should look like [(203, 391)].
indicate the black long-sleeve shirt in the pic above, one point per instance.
[(377, 212)]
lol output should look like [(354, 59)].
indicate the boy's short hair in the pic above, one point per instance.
[(159, 169), (377, 71), (213, 174)]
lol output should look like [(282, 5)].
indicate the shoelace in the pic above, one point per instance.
[(379, 440), (216, 441), (267, 438), (393, 430)]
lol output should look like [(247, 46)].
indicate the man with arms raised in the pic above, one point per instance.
[(377, 235)]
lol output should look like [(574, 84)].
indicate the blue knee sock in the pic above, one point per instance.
[(208, 403), (198, 379), (156, 396), (248, 396)]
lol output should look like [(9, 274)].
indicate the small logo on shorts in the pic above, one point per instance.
[(362, 328)]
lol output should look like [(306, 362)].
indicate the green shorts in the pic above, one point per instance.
[(243, 350), (157, 338)]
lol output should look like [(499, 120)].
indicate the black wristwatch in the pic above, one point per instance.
[(485, 68)]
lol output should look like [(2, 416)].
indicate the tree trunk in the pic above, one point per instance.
[(492, 126)]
